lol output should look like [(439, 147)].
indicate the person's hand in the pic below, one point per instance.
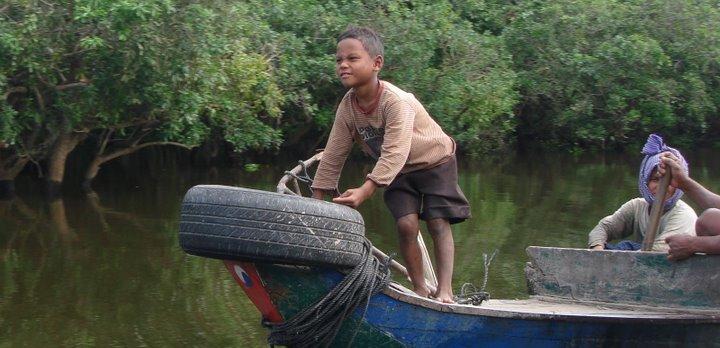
[(598, 247), (354, 197), (681, 247), (679, 177)]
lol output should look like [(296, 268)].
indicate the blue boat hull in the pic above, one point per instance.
[(419, 326), (422, 327)]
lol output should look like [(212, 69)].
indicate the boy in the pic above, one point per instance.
[(633, 217), (415, 158)]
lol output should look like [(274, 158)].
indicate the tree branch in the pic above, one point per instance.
[(72, 85), (131, 149), (12, 90), (143, 134), (73, 53), (130, 123), (104, 141), (40, 100)]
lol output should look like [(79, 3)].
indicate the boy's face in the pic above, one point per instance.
[(354, 65), (654, 184)]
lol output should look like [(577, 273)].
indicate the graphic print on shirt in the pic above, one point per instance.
[(373, 137)]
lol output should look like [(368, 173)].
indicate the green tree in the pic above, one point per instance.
[(597, 73), (463, 77), (133, 74)]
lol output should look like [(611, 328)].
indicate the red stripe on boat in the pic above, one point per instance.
[(246, 275)]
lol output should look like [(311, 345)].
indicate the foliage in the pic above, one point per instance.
[(176, 68), (598, 73), (463, 77), (575, 74)]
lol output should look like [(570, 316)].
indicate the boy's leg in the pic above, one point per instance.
[(444, 257), (407, 227)]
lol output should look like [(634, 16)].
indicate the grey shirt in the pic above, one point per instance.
[(632, 219)]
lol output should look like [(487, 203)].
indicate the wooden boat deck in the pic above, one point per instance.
[(537, 308)]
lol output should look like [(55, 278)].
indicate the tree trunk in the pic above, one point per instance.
[(65, 143), (59, 221), (100, 159), (7, 189), (10, 167), (91, 173), (94, 200)]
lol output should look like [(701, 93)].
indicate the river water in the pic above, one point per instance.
[(106, 269)]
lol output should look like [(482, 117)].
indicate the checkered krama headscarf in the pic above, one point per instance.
[(652, 150)]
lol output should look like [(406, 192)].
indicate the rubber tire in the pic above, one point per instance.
[(236, 223)]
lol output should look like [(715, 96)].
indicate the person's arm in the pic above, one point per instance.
[(617, 225), (399, 118), (684, 246), (707, 241), (336, 151), (699, 194)]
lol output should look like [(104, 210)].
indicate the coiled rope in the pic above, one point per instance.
[(469, 293), (317, 325)]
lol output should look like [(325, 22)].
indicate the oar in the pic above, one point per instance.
[(428, 269), (399, 267), (656, 211)]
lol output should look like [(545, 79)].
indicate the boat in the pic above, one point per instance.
[(288, 253)]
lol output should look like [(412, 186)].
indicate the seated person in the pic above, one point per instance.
[(707, 225), (633, 217)]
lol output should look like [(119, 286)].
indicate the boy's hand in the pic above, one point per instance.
[(681, 247), (679, 177), (354, 197)]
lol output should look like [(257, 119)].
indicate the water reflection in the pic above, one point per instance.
[(105, 269), (77, 272)]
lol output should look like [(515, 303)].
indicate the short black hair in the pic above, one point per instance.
[(369, 38)]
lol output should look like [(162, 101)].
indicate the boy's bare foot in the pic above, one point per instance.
[(444, 296), (422, 291)]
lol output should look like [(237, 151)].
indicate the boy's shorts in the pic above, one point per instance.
[(431, 193)]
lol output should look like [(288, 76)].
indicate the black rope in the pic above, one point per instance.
[(317, 325), (469, 294)]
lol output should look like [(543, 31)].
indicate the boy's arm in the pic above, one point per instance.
[(399, 121), (613, 226), (355, 197), (699, 194), (336, 151)]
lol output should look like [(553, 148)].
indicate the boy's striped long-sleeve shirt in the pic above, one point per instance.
[(399, 133)]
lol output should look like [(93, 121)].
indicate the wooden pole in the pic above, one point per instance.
[(399, 267), (656, 211), (428, 270)]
